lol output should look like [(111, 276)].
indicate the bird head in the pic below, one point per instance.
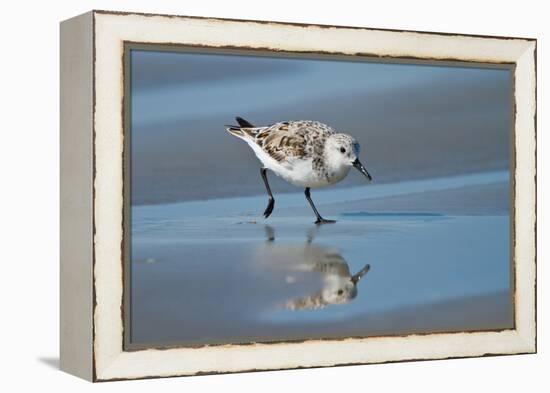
[(342, 150)]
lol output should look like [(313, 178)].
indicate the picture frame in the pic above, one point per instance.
[(94, 286)]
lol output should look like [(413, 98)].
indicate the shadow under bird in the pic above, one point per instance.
[(305, 153)]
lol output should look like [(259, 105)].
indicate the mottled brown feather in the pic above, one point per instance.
[(287, 140), (282, 144)]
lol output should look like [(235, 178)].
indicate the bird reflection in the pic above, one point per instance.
[(338, 285)]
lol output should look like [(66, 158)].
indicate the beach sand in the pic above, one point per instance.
[(214, 271), (433, 226), (413, 122)]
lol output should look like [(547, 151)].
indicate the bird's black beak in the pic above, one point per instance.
[(357, 164), (357, 276)]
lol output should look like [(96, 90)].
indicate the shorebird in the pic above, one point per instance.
[(305, 153)]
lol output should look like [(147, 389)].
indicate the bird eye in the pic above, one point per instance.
[(340, 291), (342, 150)]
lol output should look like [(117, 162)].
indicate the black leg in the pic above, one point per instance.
[(271, 203), (320, 220)]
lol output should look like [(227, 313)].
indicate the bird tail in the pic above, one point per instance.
[(238, 130), (243, 123)]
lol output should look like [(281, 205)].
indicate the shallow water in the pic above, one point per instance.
[(219, 274)]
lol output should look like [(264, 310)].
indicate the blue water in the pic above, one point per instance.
[(211, 272)]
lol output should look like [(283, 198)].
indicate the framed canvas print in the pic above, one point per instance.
[(247, 195)]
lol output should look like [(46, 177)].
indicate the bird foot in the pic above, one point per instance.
[(321, 220)]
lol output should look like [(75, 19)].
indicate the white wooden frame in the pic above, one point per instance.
[(92, 142)]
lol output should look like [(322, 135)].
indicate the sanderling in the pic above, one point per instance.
[(305, 153)]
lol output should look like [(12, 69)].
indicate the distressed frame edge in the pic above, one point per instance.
[(525, 212), (305, 25), (525, 338)]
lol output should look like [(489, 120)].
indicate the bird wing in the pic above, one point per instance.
[(281, 142), (286, 141)]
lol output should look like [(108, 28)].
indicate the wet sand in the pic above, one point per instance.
[(216, 272), (412, 122), (423, 248)]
